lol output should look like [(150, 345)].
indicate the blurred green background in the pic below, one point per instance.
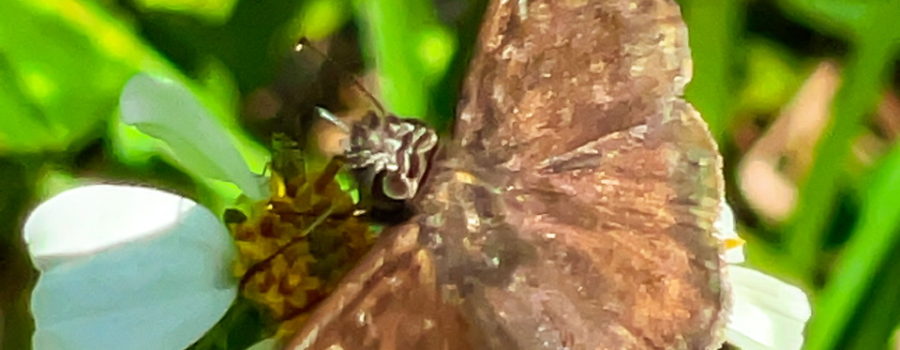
[(801, 95)]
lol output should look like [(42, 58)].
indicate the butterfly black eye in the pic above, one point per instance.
[(397, 186)]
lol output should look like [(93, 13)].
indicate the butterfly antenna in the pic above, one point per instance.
[(325, 114), (304, 44)]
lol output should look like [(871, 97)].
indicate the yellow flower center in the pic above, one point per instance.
[(295, 246)]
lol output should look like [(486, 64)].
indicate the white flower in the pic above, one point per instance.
[(766, 313), (127, 267)]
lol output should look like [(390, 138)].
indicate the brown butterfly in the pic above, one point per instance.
[(573, 208)]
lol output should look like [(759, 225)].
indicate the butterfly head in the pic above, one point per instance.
[(391, 156)]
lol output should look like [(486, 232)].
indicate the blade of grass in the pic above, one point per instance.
[(876, 233), (839, 17), (713, 27), (410, 48), (870, 246), (388, 24), (862, 80), (872, 327)]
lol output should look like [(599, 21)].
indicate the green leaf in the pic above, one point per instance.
[(62, 64), (213, 11), (320, 18), (23, 127)]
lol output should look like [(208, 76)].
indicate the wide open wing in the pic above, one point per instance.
[(575, 210)]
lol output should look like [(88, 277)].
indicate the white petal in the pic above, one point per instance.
[(724, 224), (93, 218), (127, 268), (767, 313), (170, 112), (725, 230), (734, 255)]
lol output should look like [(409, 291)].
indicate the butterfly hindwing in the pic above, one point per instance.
[(576, 109), (389, 301), (625, 246)]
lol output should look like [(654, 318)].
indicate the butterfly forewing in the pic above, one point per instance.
[(551, 76), (573, 210)]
